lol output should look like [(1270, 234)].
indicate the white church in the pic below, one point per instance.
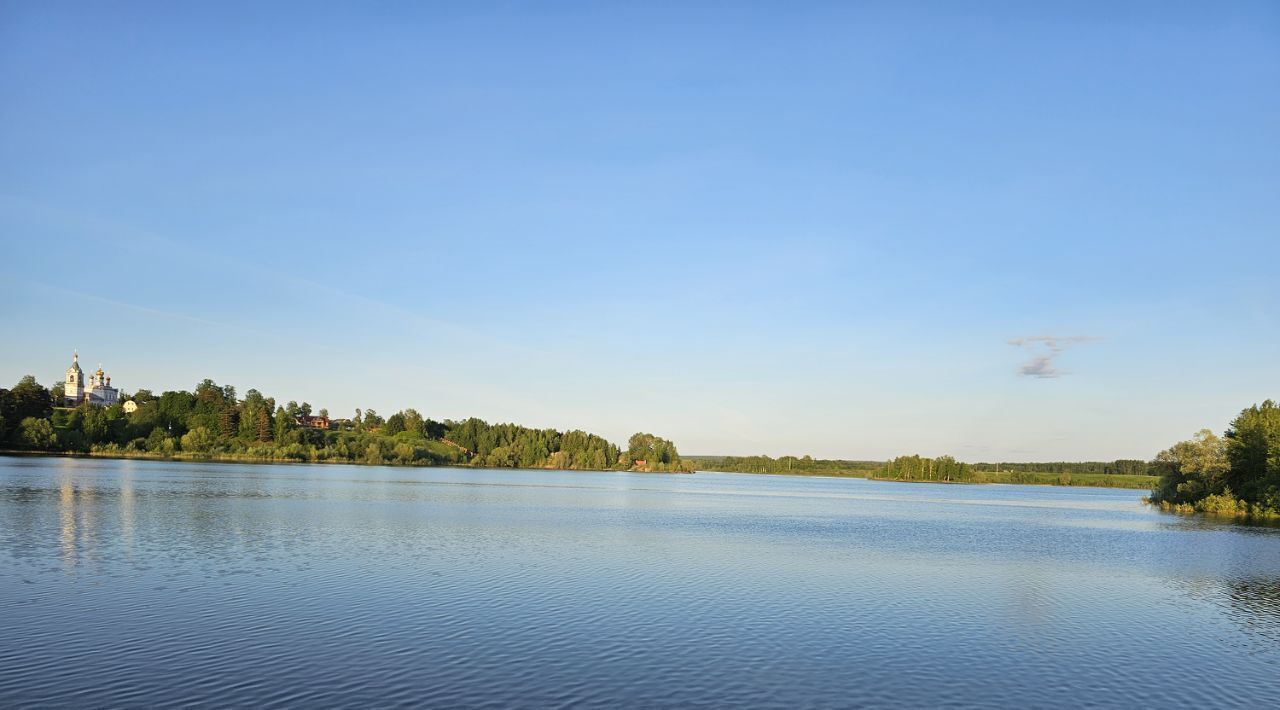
[(97, 391)]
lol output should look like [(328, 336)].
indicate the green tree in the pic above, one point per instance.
[(1192, 469), (145, 418), (658, 454), (433, 429), (1253, 453), (28, 399), (93, 423), (38, 434), (175, 409), (199, 440), (412, 421), (283, 425), (6, 414), (394, 425), (1236, 475), (158, 441), (255, 417)]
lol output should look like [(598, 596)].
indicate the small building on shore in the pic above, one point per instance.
[(308, 421)]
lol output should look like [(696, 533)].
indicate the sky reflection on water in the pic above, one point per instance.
[(148, 583)]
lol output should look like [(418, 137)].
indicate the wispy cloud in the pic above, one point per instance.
[(125, 304), (1045, 349), (119, 235)]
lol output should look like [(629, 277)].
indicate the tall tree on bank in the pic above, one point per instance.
[(283, 425), (29, 399), (1190, 470), (1253, 450), (1237, 475), (658, 454)]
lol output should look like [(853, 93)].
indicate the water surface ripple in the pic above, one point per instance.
[(150, 584)]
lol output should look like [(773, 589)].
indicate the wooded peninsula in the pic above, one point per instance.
[(213, 423)]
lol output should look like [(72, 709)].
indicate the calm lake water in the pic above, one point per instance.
[(140, 583)]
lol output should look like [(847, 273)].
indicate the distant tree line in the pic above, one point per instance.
[(806, 465), (946, 469), (1123, 467), (1125, 473), (1237, 474), (213, 422)]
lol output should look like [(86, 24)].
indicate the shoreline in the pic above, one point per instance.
[(144, 456), (19, 453), (878, 479)]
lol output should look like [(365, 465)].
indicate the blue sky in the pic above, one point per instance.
[(750, 227)]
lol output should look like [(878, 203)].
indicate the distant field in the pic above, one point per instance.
[(1100, 480), (837, 473), (864, 470), (784, 466)]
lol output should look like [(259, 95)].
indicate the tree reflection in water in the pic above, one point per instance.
[(1255, 606)]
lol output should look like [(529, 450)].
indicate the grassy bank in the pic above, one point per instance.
[(1096, 480), (853, 473), (871, 473), (1222, 506)]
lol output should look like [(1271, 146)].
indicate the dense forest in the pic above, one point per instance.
[(1236, 474), (212, 422)]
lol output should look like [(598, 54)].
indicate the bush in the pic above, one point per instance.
[(38, 434), (198, 440)]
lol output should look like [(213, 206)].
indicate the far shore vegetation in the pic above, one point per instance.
[(785, 465), (213, 423), (1123, 473), (1235, 475), (944, 469)]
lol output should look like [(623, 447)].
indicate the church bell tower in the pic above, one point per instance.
[(73, 388)]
